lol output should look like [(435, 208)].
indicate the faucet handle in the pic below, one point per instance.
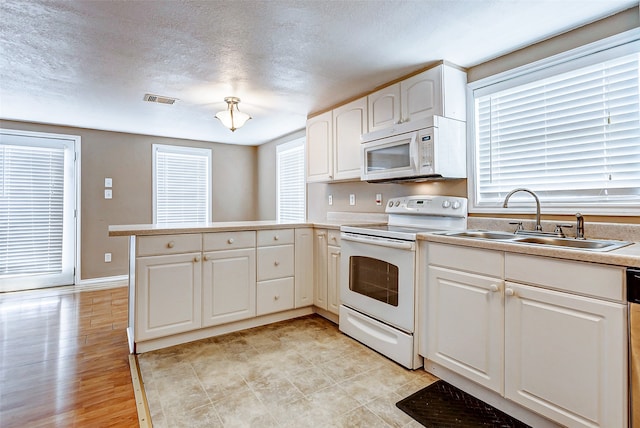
[(519, 225), (558, 230)]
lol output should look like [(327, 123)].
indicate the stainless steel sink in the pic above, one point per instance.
[(552, 241), (582, 244)]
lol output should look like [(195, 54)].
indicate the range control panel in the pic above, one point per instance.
[(447, 206)]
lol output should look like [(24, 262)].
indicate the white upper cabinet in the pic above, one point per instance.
[(333, 143), (320, 148), (437, 91), (384, 107), (349, 123)]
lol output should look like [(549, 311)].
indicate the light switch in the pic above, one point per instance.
[(108, 193), (107, 257), (108, 182), (352, 199), (330, 199)]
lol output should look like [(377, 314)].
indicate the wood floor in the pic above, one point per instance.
[(64, 360)]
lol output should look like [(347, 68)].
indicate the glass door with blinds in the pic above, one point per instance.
[(37, 210)]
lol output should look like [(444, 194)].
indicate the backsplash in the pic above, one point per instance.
[(616, 231)]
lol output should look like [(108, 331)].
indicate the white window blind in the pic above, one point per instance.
[(573, 138), (182, 177), (291, 181), (36, 211)]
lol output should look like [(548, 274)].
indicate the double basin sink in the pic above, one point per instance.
[(532, 239)]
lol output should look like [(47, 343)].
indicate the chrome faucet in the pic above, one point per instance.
[(521, 189), (579, 226)]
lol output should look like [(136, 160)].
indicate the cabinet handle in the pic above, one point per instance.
[(230, 241), (276, 237), (276, 297), (196, 259), (494, 287), (171, 244), (276, 263), (509, 292), (205, 258)]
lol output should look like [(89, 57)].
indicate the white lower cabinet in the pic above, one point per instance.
[(275, 295), (465, 320), (333, 279), (228, 286), (303, 287), (523, 330), (276, 269), (168, 295), (565, 356), (320, 291)]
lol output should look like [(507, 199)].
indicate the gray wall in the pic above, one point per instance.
[(127, 159)]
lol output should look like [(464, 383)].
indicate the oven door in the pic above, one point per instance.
[(377, 278)]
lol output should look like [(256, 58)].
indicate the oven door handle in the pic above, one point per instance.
[(379, 242)]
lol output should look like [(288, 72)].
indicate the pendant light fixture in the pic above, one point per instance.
[(232, 117)]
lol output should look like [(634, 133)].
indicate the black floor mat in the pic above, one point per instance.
[(441, 405)]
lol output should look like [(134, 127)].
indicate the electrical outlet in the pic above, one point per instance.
[(108, 182), (108, 193), (107, 257), (330, 199), (378, 198), (352, 199)]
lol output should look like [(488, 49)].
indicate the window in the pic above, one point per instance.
[(569, 132), (291, 181), (181, 184), (37, 204)]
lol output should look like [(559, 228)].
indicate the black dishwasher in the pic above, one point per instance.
[(633, 296)]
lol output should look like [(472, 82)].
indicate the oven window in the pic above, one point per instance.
[(374, 278), (389, 158)]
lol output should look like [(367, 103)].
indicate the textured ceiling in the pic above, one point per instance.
[(89, 63)]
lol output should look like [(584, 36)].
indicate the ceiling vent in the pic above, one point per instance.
[(159, 99)]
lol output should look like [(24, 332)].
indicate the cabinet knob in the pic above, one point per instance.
[(276, 237), (509, 292), (230, 241), (171, 244), (494, 287), (276, 263), (276, 297), (205, 258), (196, 259)]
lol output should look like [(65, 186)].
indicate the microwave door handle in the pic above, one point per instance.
[(415, 151), (381, 243)]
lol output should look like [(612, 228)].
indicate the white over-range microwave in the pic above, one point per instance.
[(428, 149)]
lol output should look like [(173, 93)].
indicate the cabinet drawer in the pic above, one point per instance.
[(587, 279), (229, 240), (479, 261), (334, 237), (168, 244), (274, 296), (275, 237), (275, 262)]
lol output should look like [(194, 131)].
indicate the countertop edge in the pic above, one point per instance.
[(626, 256)]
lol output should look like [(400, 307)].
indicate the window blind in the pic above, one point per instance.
[(573, 138), (32, 202), (291, 181), (182, 177)]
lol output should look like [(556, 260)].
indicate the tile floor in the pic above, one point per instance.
[(297, 373)]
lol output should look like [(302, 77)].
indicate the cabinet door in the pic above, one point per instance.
[(349, 123), (421, 95), (319, 148), (275, 295), (169, 290), (565, 356), (333, 279), (384, 108), (303, 267), (275, 262), (228, 286), (320, 269), (465, 324)]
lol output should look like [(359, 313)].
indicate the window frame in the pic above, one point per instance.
[(612, 47), (293, 144), (199, 151)]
